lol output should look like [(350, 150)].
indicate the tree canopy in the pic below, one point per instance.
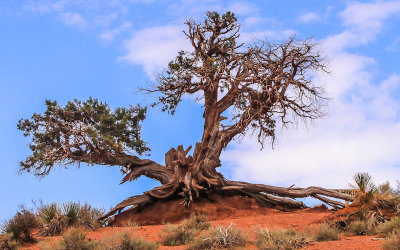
[(88, 132), (253, 86)]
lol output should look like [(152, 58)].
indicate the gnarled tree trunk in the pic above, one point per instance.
[(189, 177)]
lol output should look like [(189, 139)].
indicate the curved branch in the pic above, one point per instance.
[(136, 168), (287, 192), (136, 201)]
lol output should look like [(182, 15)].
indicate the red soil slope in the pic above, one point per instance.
[(242, 212)]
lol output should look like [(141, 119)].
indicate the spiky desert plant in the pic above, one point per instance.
[(54, 222), (72, 211), (367, 191)]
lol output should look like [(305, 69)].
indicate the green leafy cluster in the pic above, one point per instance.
[(86, 131)]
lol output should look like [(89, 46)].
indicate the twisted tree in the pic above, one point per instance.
[(245, 89)]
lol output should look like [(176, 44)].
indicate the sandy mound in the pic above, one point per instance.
[(216, 207)]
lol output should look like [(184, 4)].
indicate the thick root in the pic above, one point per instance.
[(184, 177)]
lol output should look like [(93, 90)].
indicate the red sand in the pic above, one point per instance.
[(243, 213)]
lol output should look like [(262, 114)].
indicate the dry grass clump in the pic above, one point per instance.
[(123, 241), (18, 229), (327, 232), (197, 222), (392, 241), (362, 227), (75, 238), (281, 239), (221, 237), (389, 226), (357, 227), (176, 235)]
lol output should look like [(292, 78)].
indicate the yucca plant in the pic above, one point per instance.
[(72, 211), (372, 197), (56, 218), (367, 191)]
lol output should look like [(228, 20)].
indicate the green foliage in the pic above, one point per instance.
[(389, 227), (281, 239), (87, 132), (219, 238), (326, 232), (18, 229), (55, 219), (176, 235)]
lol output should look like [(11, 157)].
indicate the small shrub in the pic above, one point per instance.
[(281, 239), (357, 227), (19, 228), (88, 216), (74, 238), (392, 241), (326, 232), (174, 235), (137, 243), (221, 237), (197, 222), (389, 226), (125, 242)]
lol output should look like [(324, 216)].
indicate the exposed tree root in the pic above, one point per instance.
[(180, 180)]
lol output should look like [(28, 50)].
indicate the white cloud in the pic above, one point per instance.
[(369, 16), (109, 34), (308, 17), (154, 47), (362, 132), (73, 19), (363, 22)]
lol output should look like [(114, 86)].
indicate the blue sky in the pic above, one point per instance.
[(62, 50)]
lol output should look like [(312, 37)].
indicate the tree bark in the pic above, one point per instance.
[(191, 176)]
